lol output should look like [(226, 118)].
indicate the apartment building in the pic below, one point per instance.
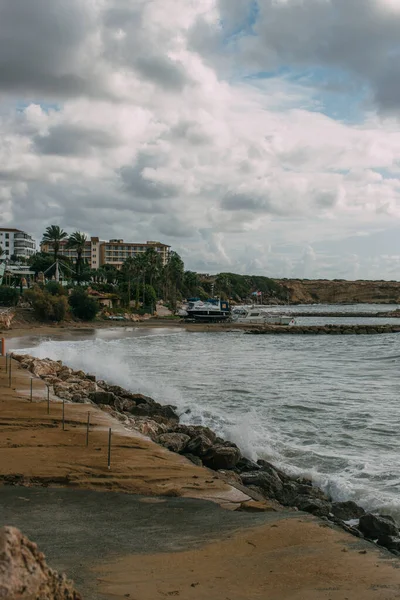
[(17, 243), (114, 252)]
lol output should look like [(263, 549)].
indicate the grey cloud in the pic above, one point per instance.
[(69, 140), (361, 38), (40, 44), (173, 226), (135, 182), (246, 202)]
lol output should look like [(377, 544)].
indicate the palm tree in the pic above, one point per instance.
[(77, 241), (141, 267), (2, 253), (54, 235), (153, 264), (130, 270), (174, 273)]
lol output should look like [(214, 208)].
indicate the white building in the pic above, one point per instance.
[(17, 243)]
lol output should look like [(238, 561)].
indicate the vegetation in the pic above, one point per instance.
[(83, 306), (77, 241), (9, 296), (46, 306)]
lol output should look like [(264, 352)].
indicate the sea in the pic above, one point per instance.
[(326, 407)]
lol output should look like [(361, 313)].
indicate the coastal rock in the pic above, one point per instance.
[(40, 368), (155, 410), (245, 465), (102, 397), (196, 460), (345, 511), (199, 445), (315, 506), (267, 466), (148, 427), (124, 405), (24, 574), (176, 442), (194, 430), (377, 526), (390, 542), (222, 457), (62, 390), (268, 482)]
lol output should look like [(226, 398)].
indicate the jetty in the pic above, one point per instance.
[(324, 329)]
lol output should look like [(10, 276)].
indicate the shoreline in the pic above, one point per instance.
[(39, 454), (259, 480)]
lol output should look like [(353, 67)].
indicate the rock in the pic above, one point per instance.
[(246, 465), (62, 390), (268, 482), (176, 442), (199, 445), (40, 368), (315, 506), (91, 377), (256, 506), (78, 398), (101, 397), (124, 405), (231, 477), (148, 427), (312, 492), (390, 542), (345, 511), (222, 457), (267, 466), (194, 430), (377, 526), (194, 459), (24, 574), (155, 410)]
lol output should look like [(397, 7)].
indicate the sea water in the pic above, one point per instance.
[(327, 407)]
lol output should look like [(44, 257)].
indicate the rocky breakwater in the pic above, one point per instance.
[(324, 329), (24, 574), (203, 447)]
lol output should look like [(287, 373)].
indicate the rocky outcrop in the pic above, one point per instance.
[(303, 291), (377, 526), (24, 574)]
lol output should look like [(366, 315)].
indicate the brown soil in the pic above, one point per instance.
[(33, 444), (290, 559)]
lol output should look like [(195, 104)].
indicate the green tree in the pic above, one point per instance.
[(191, 283), (129, 272), (173, 278), (77, 241), (54, 235), (83, 306), (153, 265), (2, 254)]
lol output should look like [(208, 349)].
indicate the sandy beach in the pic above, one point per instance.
[(154, 525)]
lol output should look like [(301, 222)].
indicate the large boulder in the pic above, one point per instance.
[(222, 457), (124, 405), (24, 574), (246, 465), (199, 445), (346, 511), (102, 397), (390, 542), (155, 410), (41, 368), (194, 430), (268, 482), (377, 526), (176, 442), (315, 506)]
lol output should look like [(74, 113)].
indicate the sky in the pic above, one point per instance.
[(253, 136)]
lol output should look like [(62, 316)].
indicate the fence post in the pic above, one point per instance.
[(63, 415), (48, 400), (109, 448), (87, 429), (31, 389), (3, 346), (9, 370), (7, 363)]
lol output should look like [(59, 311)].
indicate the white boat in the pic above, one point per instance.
[(257, 316)]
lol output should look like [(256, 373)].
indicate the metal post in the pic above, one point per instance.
[(63, 415), (31, 389), (9, 370), (48, 400), (109, 448), (7, 362), (87, 429)]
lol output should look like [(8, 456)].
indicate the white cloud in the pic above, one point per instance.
[(131, 128)]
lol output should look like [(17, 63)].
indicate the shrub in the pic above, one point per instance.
[(83, 307), (55, 289), (46, 306), (8, 295)]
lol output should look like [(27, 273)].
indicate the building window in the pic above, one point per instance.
[(7, 236)]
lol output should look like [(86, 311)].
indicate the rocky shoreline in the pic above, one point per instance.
[(324, 329), (203, 447)]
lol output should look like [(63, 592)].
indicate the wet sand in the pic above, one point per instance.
[(86, 519)]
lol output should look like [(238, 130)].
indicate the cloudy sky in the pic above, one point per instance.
[(256, 136)]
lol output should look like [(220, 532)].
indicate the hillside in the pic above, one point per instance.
[(304, 291)]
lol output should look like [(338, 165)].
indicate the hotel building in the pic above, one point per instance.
[(16, 243), (114, 252)]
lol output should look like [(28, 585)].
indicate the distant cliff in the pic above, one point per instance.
[(304, 291)]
